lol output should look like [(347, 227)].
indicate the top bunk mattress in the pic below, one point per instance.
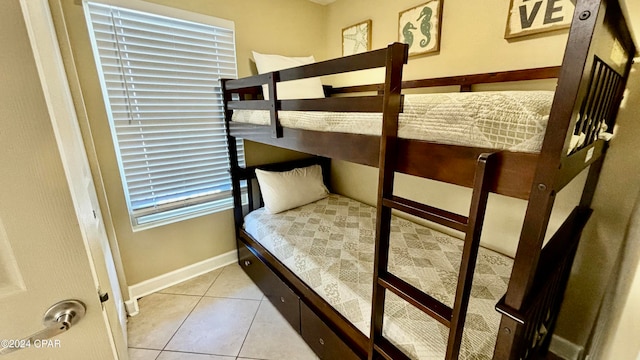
[(503, 120), (329, 244)]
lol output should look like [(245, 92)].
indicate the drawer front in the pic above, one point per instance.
[(324, 342), (279, 294)]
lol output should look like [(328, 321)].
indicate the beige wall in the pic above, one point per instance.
[(620, 314), (473, 42), (154, 252), (472, 37)]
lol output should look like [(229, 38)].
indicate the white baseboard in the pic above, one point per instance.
[(565, 348), (164, 281)]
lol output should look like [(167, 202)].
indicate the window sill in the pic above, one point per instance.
[(172, 216)]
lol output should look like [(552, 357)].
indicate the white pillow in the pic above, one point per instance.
[(289, 189), (296, 89)]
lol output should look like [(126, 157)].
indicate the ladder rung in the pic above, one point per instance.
[(442, 217), (417, 298), (387, 350)]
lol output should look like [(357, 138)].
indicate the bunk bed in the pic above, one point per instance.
[(590, 85)]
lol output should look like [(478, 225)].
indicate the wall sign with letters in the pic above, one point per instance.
[(528, 17)]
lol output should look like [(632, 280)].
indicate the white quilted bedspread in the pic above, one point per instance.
[(329, 244), (505, 120)]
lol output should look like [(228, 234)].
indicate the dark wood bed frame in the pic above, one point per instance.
[(589, 90)]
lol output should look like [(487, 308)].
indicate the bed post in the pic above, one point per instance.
[(234, 167), (520, 333)]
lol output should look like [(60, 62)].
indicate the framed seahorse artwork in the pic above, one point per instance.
[(356, 38), (420, 26)]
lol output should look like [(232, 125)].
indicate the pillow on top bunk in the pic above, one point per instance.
[(296, 89), (289, 189)]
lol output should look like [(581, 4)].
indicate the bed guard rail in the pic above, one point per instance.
[(465, 82), (536, 319), (391, 58)]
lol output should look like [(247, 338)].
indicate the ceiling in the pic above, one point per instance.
[(631, 9)]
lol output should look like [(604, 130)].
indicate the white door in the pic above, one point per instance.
[(65, 126), (50, 246)]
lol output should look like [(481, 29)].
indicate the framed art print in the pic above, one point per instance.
[(356, 38), (419, 27)]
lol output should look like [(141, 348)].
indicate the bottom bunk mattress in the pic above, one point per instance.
[(329, 244)]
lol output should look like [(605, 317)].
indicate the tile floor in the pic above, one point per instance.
[(221, 315)]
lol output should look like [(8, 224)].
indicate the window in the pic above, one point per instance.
[(160, 78)]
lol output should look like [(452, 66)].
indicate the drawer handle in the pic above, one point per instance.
[(247, 262), (281, 299), (321, 341)]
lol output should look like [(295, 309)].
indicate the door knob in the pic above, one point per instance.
[(58, 319)]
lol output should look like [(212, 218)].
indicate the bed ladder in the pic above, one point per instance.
[(453, 318)]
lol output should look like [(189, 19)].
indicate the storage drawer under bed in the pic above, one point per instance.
[(324, 342), (279, 294), (318, 335)]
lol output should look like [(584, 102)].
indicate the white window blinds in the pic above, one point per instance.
[(160, 79)]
